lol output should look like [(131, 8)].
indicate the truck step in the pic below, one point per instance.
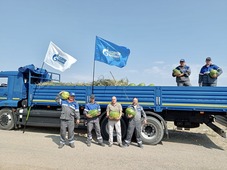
[(217, 129), (221, 120)]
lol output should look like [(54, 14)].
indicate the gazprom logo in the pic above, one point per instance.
[(112, 54), (57, 57)]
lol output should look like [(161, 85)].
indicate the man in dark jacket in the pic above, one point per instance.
[(70, 110), (182, 78), (93, 121), (135, 123), (205, 78)]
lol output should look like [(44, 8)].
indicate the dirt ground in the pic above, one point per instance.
[(37, 148)]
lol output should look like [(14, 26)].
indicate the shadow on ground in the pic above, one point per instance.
[(175, 136), (80, 136), (192, 138), (52, 130), (53, 133)]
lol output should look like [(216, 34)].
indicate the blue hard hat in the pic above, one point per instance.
[(72, 94)]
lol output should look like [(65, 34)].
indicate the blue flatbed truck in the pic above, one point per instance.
[(187, 107)]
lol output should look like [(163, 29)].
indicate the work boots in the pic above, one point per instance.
[(61, 145), (72, 145)]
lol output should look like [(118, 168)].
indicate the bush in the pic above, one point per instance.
[(99, 82)]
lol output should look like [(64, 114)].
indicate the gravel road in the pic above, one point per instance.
[(37, 148)]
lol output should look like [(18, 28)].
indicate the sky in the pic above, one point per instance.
[(158, 34)]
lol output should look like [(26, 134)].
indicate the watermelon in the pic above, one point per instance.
[(93, 112), (151, 84), (141, 84), (176, 72), (130, 111), (65, 95), (114, 114), (132, 84), (213, 73)]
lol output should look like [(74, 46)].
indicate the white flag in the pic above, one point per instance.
[(58, 59)]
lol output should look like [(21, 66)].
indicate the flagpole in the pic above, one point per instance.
[(43, 64), (93, 79)]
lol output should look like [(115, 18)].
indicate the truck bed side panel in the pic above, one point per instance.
[(194, 98), (45, 95)]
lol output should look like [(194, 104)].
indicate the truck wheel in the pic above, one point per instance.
[(152, 132), (105, 129), (6, 119)]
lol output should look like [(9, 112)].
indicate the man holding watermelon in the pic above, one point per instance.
[(114, 113), (182, 73), (209, 73), (70, 111), (92, 111), (135, 113)]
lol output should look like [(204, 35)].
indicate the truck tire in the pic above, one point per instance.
[(6, 119), (105, 129), (152, 132)]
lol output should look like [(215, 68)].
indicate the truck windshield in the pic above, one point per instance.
[(3, 81)]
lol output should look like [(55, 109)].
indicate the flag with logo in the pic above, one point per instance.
[(110, 53), (58, 59)]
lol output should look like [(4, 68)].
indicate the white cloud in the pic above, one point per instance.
[(153, 70), (77, 78), (159, 62), (195, 69), (162, 75), (131, 71)]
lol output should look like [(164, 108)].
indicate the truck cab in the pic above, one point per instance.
[(12, 94), (12, 89), (15, 92)]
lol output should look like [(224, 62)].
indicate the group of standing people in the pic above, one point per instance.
[(70, 113), (205, 78), (134, 122)]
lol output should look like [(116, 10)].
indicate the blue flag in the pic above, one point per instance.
[(110, 53)]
